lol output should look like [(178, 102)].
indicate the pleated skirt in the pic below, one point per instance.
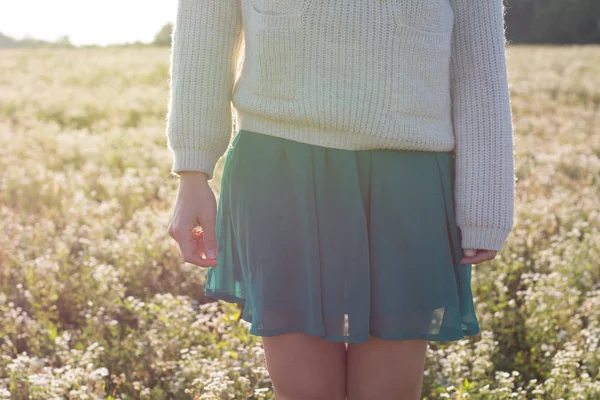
[(341, 244)]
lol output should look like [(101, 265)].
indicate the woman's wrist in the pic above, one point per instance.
[(193, 175), (187, 178)]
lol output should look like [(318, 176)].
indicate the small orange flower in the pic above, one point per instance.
[(197, 233)]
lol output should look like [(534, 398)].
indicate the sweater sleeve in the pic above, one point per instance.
[(482, 121), (206, 40)]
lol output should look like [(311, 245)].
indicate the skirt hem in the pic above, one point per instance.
[(227, 297)]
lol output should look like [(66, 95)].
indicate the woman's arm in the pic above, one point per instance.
[(207, 38), (484, 181)]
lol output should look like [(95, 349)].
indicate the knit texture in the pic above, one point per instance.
[(372, 74)]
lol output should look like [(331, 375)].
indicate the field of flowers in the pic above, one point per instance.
[(95, 302)]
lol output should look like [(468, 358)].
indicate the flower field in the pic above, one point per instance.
[(96, 303)]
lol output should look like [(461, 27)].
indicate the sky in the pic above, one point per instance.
[(86, 22)]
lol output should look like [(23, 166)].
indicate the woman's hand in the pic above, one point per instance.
[(476, 256), (195, 206)]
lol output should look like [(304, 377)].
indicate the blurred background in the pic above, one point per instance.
[(95, 302), (29, 23)]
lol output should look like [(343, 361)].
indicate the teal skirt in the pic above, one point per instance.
[(341, 244)]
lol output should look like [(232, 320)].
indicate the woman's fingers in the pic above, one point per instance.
[(470, 252), (189, 251), (189, 247), (480, 256), (209, 238), (193, 244), (200, 237)]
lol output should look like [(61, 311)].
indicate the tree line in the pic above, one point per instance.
[(527, 21), (553, 21)]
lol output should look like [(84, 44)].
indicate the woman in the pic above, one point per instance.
[(372, 166)]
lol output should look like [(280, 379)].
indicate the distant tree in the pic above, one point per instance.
[(553, 21), (163, 37), (7, 41), (30, 41), (64, 41)]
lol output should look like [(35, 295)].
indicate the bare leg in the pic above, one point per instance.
[(304, 367), (385, 369)]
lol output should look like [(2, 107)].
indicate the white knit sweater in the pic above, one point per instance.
[(369, 74)]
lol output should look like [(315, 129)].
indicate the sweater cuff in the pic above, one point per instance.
[(193, 159), (476, 237)]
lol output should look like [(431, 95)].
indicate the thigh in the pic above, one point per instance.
[(303, 367), (385, 369)]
